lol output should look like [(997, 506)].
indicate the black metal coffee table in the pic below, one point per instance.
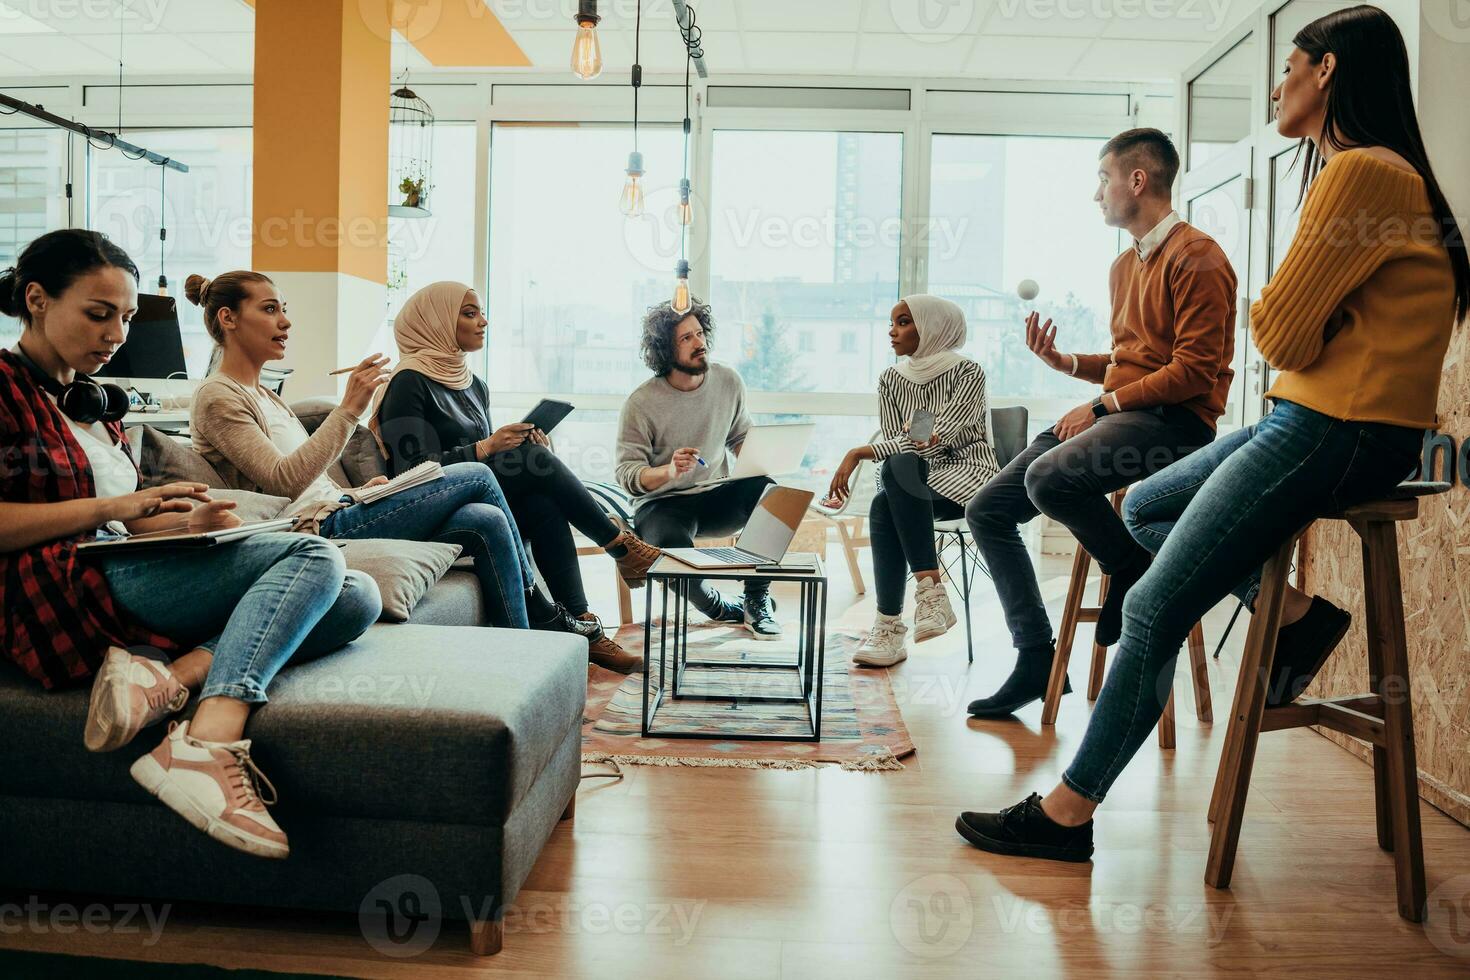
[(775, 678)]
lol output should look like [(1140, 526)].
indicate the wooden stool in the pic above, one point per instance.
[(1073, 612), (1384, 717)]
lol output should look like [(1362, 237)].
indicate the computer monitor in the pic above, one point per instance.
[(154, 348)]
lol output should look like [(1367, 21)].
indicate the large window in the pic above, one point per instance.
[(804, 237), (32, 164), (570, 277), (442, 245), (207, 213), (1220, 103), (1008, 208)]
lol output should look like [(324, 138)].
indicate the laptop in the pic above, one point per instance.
[(181, 539), (154, 348), (766, 537), (770, 450)]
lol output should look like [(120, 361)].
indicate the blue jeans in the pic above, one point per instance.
[(255, 604), (1069, 481), (465, 508), (1214, 518)]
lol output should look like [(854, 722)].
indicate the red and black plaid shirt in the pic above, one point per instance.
[(57, 617)]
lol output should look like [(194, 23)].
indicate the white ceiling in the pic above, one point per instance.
[(1140, 40)]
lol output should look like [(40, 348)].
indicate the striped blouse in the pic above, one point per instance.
[(963, 460)]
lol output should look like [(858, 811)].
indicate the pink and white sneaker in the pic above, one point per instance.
[(129, 693), (216, 787)]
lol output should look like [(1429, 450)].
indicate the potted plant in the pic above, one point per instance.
[(412, 189)]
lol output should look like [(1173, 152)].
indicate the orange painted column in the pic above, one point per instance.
[(320, 205)]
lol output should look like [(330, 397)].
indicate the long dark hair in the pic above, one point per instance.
[(1369, 104)]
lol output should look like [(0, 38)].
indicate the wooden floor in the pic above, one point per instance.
[(737, 873)]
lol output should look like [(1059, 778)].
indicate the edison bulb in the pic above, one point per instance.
[(631, 202), (586, 51), (686, 212), (681, 303)]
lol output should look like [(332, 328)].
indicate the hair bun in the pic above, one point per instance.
[(9, 301), (196, 288)]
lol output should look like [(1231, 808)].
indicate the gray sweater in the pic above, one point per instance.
[(658, 418)]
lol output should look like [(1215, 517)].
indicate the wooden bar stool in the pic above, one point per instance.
[(1073, 612), (1383, 717)]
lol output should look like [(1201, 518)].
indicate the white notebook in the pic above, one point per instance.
[(426, 472)]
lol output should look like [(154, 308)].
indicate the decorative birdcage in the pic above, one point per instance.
[(410, 154)]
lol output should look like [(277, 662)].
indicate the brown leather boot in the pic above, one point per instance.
[(605, 652), (637, 560)]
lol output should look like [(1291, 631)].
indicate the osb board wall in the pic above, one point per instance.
[(1434, 561)]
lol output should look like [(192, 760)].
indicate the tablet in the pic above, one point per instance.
[(548, 414)]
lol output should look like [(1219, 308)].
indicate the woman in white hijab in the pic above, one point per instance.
[(935, 454), (434, 408)]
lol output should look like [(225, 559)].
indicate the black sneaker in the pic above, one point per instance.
[(1110, 617), (1024, 830), (1027, 683), (760, 616), (723, 610), (1303, 647), (564, 622)]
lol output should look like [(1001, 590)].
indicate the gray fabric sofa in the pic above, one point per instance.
[(423, 768)]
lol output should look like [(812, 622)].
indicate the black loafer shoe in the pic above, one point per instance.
[(1024, 830), (1109, 627), (1303, 647), (1027, 683)]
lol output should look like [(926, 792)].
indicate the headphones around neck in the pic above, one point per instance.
[(84, 401)]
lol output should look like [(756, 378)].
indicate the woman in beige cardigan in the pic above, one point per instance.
[(256, 443)]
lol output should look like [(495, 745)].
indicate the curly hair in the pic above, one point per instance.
[(657, 346)]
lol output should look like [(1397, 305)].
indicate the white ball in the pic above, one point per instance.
[(1027, 289)]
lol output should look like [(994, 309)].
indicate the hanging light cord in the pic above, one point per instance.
[(684, 171), (637, 67), (162, 229)]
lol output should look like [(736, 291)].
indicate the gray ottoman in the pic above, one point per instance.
[(435, 760)]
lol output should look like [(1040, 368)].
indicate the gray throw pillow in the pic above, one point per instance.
[(250, 507), (404, 570), (163, 459)]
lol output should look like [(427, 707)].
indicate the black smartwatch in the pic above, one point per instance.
[(1099, 410)]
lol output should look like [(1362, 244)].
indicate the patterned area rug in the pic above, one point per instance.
[(861, 725)]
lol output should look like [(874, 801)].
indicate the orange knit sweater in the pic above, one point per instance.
[(1173, 327), (1358, 317)]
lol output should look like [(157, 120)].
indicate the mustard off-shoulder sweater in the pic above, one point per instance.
[(1370, 250)]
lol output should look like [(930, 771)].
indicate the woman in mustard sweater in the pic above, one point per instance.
[(1356, 321)]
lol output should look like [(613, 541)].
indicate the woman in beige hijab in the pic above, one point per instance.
[(434, 408), (255, 442)]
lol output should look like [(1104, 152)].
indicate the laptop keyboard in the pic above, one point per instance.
[(729, 554)]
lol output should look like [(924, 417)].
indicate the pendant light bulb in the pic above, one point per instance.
[(681, 303), (586, 49), (631, 203), (686, 212)]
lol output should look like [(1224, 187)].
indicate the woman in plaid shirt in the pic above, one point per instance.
[(65, 619)]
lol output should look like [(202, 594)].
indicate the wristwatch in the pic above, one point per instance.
[(1099, 410)]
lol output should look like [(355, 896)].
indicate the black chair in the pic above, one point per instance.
[(1007, 438)]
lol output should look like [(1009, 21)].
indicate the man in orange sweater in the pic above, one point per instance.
[(1163, 386)]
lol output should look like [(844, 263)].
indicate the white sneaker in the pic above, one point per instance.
[(933, 615), (216, 787), (129, 694), (883, 646)]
